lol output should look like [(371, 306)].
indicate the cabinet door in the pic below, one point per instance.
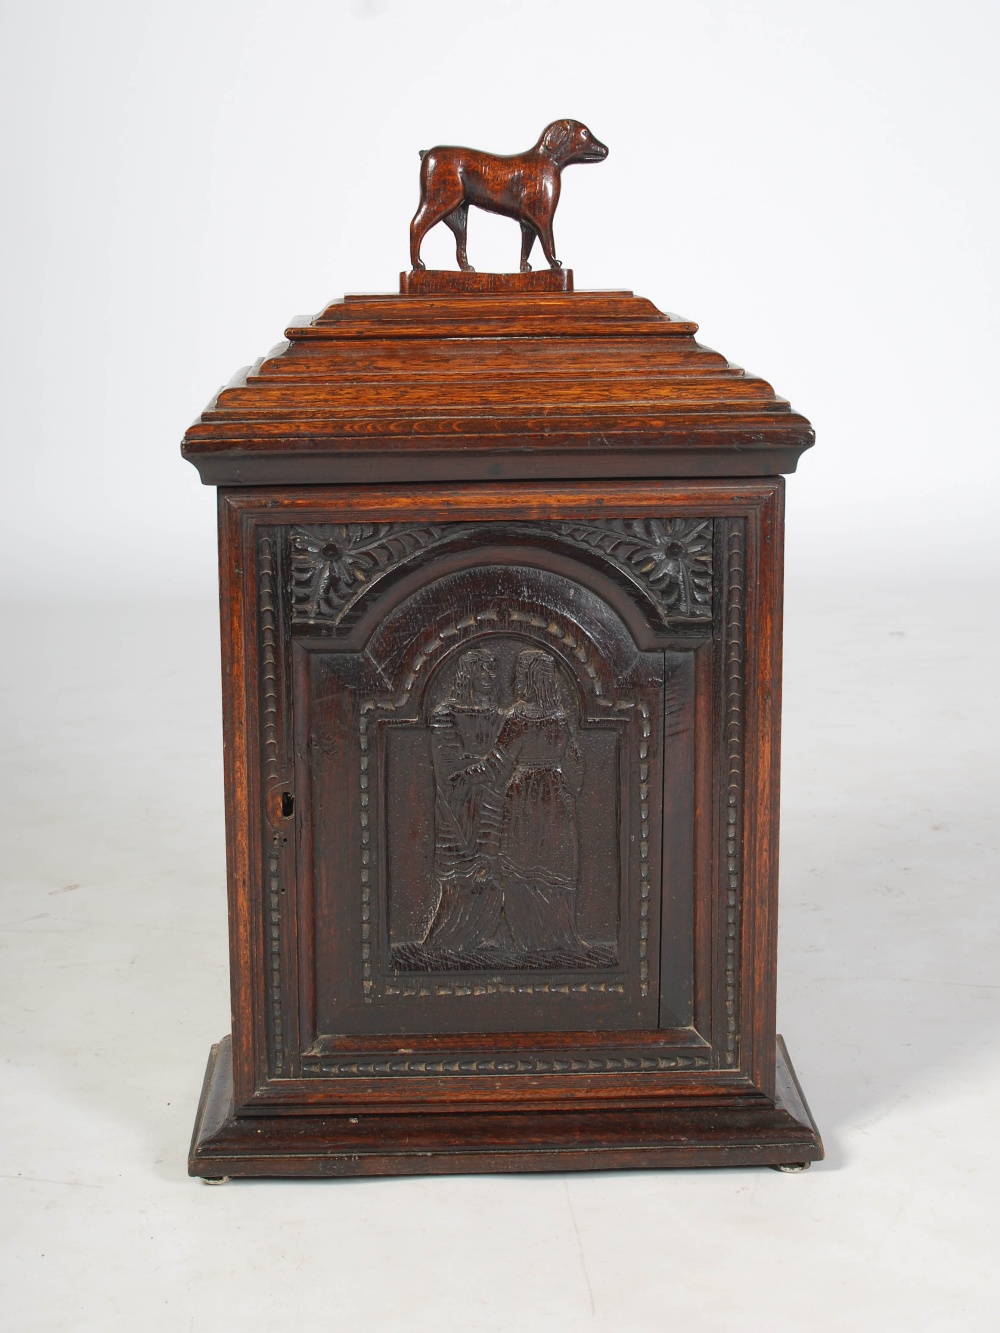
[(499, 807)]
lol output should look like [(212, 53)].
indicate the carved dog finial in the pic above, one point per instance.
[(524, 186)]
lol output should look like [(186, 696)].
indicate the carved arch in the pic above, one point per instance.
[(656, 573), (610, 736)]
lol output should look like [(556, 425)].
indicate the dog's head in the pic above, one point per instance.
[(568, 141)]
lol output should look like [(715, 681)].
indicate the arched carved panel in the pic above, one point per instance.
[(504, 764)]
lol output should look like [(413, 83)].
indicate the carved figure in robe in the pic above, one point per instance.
[(464, 730), (507, 841), (540, 758)]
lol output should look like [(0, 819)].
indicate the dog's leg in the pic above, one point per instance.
[(528, 235), (458, 220), (419, 227), (548, 243), (426, 216), (439, 196)]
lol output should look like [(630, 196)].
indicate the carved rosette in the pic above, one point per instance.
[(671, 557), (333, 564)]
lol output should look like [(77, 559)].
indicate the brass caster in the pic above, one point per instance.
[(216, 1180), (792, 1166)]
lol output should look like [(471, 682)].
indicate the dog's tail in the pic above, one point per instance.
[(423, 153)]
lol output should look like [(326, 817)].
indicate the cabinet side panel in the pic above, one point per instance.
[(239, 703), (763, 758)]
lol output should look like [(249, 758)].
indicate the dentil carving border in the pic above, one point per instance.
[(735, 650), (366, 1066), (268, 611)]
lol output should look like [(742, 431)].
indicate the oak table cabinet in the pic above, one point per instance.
[(501, 578)]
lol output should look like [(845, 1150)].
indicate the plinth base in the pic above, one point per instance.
[(470, 1142), (435, 281)]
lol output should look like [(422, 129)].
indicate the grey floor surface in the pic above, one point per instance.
[(113, 967)]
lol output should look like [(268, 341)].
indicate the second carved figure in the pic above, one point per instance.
[(507, 841)]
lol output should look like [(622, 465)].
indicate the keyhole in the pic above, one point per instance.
[(287, 805)]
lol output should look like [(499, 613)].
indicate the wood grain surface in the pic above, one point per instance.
[(501, 590), (426, 388)]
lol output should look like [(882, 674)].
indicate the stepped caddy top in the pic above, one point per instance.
[(467, 376)]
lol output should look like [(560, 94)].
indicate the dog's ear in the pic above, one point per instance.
[(557, 137)]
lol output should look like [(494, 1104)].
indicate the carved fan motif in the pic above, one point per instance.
[(673, 557), (332, 564)]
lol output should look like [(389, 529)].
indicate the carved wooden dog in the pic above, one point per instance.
[(524, 186)]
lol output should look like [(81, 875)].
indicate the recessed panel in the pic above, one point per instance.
[(501, 867), (502, 818)]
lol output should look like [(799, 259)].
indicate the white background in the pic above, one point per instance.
[(817, 186)]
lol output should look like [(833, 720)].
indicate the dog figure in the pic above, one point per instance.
[(524, 186)]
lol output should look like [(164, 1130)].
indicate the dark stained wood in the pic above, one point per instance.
[(430, 281), (524, 186), (563, 759), (718, 1134), (484, 387), (501, 728), (448, 542)]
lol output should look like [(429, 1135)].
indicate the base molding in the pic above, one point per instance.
[(474, 1142), (439, 281)]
